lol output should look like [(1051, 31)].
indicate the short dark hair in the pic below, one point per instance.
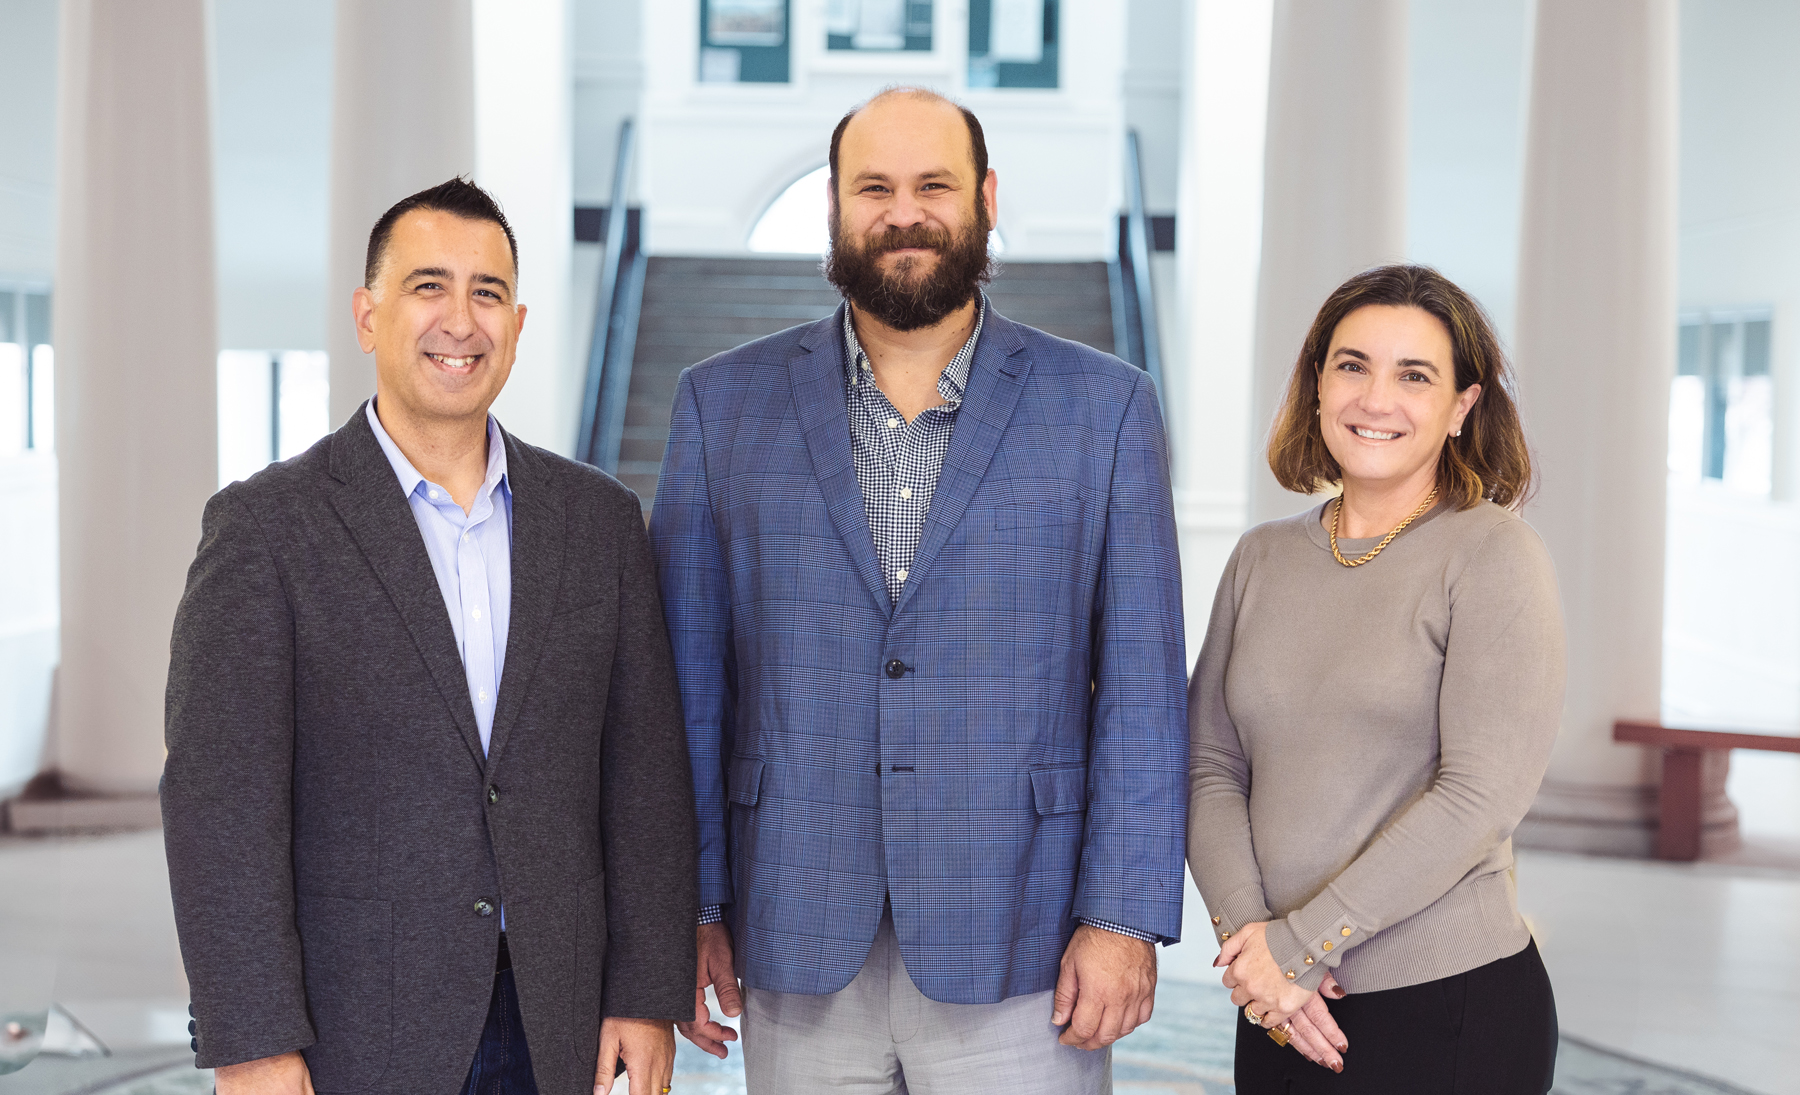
[(977, 141), (458, 197), (1489, 460)]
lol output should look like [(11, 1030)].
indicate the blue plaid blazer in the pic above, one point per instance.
[(1027, 766)]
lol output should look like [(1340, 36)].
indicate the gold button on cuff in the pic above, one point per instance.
[(1329, 944), (1215, 920), (1309, 960), (1224, 936), (1290, 975), (1345, 932)]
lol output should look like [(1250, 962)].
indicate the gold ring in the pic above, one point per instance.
[(1282, 1034), (1251, 1015)]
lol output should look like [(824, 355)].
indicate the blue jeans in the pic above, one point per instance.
[(502, 1064)]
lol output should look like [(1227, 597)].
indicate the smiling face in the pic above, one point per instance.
[(910, 219), (1388, 398), (441, 318)]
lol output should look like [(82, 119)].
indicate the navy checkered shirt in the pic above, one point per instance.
[(897, 466)]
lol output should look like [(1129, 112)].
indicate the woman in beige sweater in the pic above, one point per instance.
[(1371, 715)]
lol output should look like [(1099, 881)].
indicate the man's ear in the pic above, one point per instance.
[(990, 193), (362, 311)]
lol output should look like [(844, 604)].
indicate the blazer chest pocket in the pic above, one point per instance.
[(1040, 504), (1061, 790), (745, 783)]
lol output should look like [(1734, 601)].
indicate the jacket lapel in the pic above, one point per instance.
[(538, 530), (369, 501), (996, 378), (817, 376)]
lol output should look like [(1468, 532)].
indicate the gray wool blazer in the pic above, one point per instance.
[(334, 831)]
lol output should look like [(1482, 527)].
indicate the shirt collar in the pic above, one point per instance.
[(955, 377), (409, 475)]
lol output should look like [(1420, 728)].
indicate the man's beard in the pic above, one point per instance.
[(899, 297)]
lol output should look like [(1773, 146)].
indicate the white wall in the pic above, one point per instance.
[(271, 141), (28, 136), (28, 543), (1466, 145), (1732, 634), (608, 41), (715, 155)]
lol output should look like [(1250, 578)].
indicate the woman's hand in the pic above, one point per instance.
[(1253, 977)]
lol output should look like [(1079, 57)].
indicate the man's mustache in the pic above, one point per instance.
[(904, 239)]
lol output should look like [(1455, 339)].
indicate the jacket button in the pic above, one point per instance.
[(493, 795), (484, 907), (897, 669)]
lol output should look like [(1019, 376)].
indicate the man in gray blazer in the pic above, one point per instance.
[(427, 803)]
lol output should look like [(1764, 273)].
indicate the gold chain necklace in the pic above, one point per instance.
[(1338, 511)]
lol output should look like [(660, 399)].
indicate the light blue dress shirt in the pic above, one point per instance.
[(471, 554)]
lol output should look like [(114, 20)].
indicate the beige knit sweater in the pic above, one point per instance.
[(1365, 740)]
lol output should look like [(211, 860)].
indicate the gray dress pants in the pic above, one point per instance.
[(879, 1035)]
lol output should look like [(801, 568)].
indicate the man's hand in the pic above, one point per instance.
[(648, 1048), (284, 1074), (714, 968), (1106, 989)]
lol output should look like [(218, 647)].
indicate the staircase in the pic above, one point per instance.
[(694, 308)]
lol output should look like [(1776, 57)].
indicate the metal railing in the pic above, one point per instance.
[(1135, 329), (614, 340)]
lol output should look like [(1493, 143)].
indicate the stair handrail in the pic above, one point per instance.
[(606, 300), (1137, 234)]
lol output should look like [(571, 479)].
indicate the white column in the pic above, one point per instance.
[(1334, 191), (1225, 97), (523, 135), (135, 370), (403, 119), (1596, 351)]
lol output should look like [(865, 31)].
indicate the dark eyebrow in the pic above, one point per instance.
[(426, 272), (1404, 363)]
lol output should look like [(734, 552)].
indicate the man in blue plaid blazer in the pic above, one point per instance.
[(927, 623)]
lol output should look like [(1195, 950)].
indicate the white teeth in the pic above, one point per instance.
[(1374, 435), (453, 362)]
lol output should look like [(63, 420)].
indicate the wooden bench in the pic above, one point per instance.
[(1684, 751)]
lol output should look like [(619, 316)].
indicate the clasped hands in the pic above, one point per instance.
[(1256, 981)]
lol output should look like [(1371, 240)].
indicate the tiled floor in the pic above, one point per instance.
[(1687, 976)]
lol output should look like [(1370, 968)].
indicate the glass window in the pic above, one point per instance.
[(1721, 406), (1012, 43), (25, 364), (878, 25), (744, 41), (272, 406)]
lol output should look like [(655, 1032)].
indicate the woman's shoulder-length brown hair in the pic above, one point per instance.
[(1489, 461)]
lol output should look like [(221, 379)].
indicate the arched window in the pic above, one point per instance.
[(794, 223)]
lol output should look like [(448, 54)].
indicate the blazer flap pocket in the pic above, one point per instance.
[(1032, 506), (746, 780), (1059, 790)]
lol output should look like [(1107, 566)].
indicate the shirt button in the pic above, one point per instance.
[(476, 612), (893, 423), (484, 907), (433, 494), (906, 492), (483, 695), (900, 574)]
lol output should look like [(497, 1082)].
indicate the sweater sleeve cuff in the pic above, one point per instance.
[(1234, 910), (1313, 939)]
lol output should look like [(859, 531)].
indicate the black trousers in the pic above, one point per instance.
[(1490, 1031), (502, 1064)]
